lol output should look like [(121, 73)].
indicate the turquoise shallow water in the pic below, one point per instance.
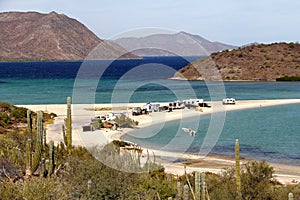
[(266, 133)]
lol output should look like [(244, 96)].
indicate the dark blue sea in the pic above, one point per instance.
[(271, 133), (141, 80)]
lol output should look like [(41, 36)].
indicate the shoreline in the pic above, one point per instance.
[(286, 174)]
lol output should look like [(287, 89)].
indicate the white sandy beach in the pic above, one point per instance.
[(81, 116)]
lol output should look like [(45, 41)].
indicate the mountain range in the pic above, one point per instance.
[(177, 44), (32, 36)]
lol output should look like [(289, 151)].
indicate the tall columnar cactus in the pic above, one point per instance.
[(203, 180), (291, 196), (197, 185), (64, 134), (43, 171), (69, 124), (51, 158), (28, 157), (178, 190), (29, 123), (238, 170), (186, 192), (38, 143), (44, 137)]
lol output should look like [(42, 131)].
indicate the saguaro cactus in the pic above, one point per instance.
[(38, 143), (69, 124), (237, 170), (197, 185)]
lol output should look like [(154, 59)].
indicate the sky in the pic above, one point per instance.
[(236, 22)]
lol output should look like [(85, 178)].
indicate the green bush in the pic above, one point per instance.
[(289, 78), (19, 113), (232, 71), (5, 107), (126, 122)]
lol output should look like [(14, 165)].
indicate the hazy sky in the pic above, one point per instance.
[(230, 21)]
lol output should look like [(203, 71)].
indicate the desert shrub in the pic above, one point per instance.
[(4, 118), (97, 123), (289, 78), (257, 182), (126, 122), (11, 151), (232, 71), (19, 113), (5, 107), (108, 183), (41, 188)]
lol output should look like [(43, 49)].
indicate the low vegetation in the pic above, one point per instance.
[(125, 122), (289, 78)]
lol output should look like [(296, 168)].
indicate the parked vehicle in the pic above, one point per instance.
[(136, 111), (176, 105), (152, 107), (228, 101)]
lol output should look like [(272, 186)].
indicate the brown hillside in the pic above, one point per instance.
[(261, 62), (36, 36)]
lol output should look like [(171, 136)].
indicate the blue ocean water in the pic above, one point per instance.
[(143, 79), (270, 133)]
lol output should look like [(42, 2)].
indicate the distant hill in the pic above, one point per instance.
[(258, 62), (32, 36), (180, 44)]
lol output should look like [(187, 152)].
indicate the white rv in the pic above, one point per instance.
[(228, 101), (152, 107), (193, 102)]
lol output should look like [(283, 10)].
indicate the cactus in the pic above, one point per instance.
[(38, 143), (44, 138), (186, 192), (178, 190), (203, 177), (51, 158), (291, 196), (43, 172), (197, 186), (64, 134), (237, 170), (69, 124), (89, 187), (29, 123), (28, 157)]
